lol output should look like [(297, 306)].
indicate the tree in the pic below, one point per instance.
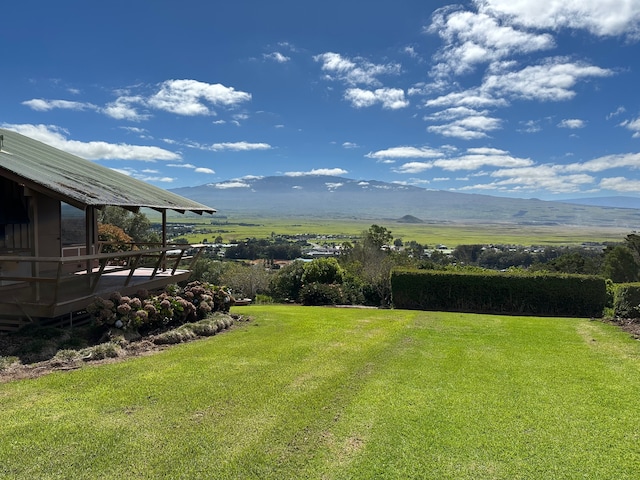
[(286, 284), (377, 236), (210, 271), (574, 262), (136, 225), (245, 280), (467, 254), (367, 261), (323, 270), (620, 265), (114, 237)]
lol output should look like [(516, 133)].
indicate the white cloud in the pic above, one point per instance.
[(318, 171), (124, 108), (633, 125), (181, 165), (607, 162), (419, 181), (551, 81), (181, 97), (411, 51), (541, 177), (240, 146), (572, 123), (155, 179), (356, 71), (333, 185), (405, 152), (350, 145), (57, 137), (473, 159), (143, 132), (469, 128), (530, 126), (42, 105), (482, 157), (620, 184), (599, 17), (472, 38), (473, 98), (414, 167), (618, 111), (455, 112), (486, 151), (390, 98), (231, 184), (188, 97), (192, 167), (277, 57)]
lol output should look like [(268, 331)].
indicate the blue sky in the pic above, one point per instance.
[(528, 98)]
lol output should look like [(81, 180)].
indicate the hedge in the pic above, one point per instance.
[(498, 292)]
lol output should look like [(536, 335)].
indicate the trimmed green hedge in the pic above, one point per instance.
[(497, 292)]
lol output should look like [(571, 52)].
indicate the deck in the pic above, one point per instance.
[(32, 288)]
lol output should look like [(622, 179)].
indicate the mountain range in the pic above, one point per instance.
[(338, 197)]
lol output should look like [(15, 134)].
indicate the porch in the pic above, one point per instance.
[(49, 287)]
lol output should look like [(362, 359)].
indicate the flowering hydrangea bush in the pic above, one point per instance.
[(175, 306)]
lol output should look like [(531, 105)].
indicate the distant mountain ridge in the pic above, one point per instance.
[(339, 197), (614, 202)]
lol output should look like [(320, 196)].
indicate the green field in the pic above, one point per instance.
[(328, 393), (428, 234)]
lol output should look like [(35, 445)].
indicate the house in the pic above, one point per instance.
[(45, 275)]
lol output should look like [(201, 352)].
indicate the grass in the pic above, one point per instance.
[(428, 234), (303, 392)]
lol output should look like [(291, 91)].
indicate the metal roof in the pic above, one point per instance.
[(80, 182)]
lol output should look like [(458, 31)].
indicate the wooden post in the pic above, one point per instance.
[(91, 234), (164, 238)]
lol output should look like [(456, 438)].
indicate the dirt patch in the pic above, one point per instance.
[(629, 325)]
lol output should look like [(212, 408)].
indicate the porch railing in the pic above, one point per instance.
[(51, 280)]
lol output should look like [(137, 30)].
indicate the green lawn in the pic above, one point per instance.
[(304, 392)]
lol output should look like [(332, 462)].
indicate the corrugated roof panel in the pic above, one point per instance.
[(82, 182)]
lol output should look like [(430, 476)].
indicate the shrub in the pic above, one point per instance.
[(66, 356), (626, 302), (323, 270), (102, 351), (321, 294), (205, 328), (6, 362), (189, 331), (262, 299), (175, 306)]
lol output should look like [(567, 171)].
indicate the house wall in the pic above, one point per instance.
[(30, 225), (48, 226)]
